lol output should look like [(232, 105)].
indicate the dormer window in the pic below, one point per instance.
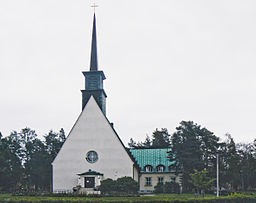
[(148, 168), (160, 168)]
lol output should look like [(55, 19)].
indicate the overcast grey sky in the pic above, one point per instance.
[(165, 61)]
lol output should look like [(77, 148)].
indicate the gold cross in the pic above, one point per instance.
[(94, 6)]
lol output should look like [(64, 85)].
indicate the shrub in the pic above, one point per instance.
[(159, 188), (127, 184), (124, 185), (107, 186), (167, 187), (171, 187)]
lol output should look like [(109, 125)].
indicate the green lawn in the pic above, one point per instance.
[(165, 197), (155, 198)]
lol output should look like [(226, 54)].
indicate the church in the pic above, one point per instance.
[(93, 151)]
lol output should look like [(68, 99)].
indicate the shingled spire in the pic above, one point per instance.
[(94, 78), (94, 56)]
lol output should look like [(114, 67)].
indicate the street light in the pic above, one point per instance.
[(217, 166)]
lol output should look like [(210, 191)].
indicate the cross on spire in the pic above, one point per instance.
[(94, 6)]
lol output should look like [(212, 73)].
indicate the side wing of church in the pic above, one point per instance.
[(93, 151)]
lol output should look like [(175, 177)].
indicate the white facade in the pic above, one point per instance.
[(91, 132), (166, 177)]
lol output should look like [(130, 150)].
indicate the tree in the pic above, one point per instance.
[(147, 143), (132, 143), (25, 160), (230, 164), (38, 167), (201, 180), (10, 165), (192, 148), (54, 142), (247, 154), (161, 138), (247, 165)]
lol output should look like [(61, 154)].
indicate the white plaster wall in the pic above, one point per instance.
[(136, 174), (154, 179), (90, 132)]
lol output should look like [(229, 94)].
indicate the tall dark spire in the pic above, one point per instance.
[(94, 78), (94, 57)]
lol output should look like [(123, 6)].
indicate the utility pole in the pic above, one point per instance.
[(218, 187)]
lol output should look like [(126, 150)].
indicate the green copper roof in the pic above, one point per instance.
[(152, 157)]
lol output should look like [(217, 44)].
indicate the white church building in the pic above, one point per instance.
[(93, 151)]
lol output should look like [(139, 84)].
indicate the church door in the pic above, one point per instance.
[(89, 182)]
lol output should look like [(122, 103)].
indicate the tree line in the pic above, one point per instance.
[(194, 149), (25, 160)]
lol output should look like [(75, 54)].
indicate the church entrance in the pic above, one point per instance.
[(89, 182)]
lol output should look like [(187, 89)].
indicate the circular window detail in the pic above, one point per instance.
[(91, 157)]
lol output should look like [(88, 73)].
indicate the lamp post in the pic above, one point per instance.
[(217, 167)]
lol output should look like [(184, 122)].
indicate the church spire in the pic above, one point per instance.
[(94, 57), (94, 78)]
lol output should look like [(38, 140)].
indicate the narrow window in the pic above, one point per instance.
[(160, 179), (148, 181), (173, 179)]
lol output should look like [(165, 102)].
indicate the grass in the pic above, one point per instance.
[(155, 198), (165, 197)]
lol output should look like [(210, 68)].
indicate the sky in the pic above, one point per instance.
[(165, 61)]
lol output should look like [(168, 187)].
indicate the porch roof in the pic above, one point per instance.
[(90, 172)]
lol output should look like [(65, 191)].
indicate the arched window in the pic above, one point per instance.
[(148, 168), (160, 168)]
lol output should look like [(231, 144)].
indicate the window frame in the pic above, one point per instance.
[(162, 167), (148, 181), (161, 178), (147, 167)]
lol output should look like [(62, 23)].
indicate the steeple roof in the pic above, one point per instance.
[(94, 56)]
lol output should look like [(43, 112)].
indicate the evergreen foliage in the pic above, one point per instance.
[(160, 139), (25, 160), (193, 148)]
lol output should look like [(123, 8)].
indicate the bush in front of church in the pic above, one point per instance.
[(121, 186), (127, 184), (107, 186)]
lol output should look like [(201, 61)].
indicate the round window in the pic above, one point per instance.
[(91, 156)]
